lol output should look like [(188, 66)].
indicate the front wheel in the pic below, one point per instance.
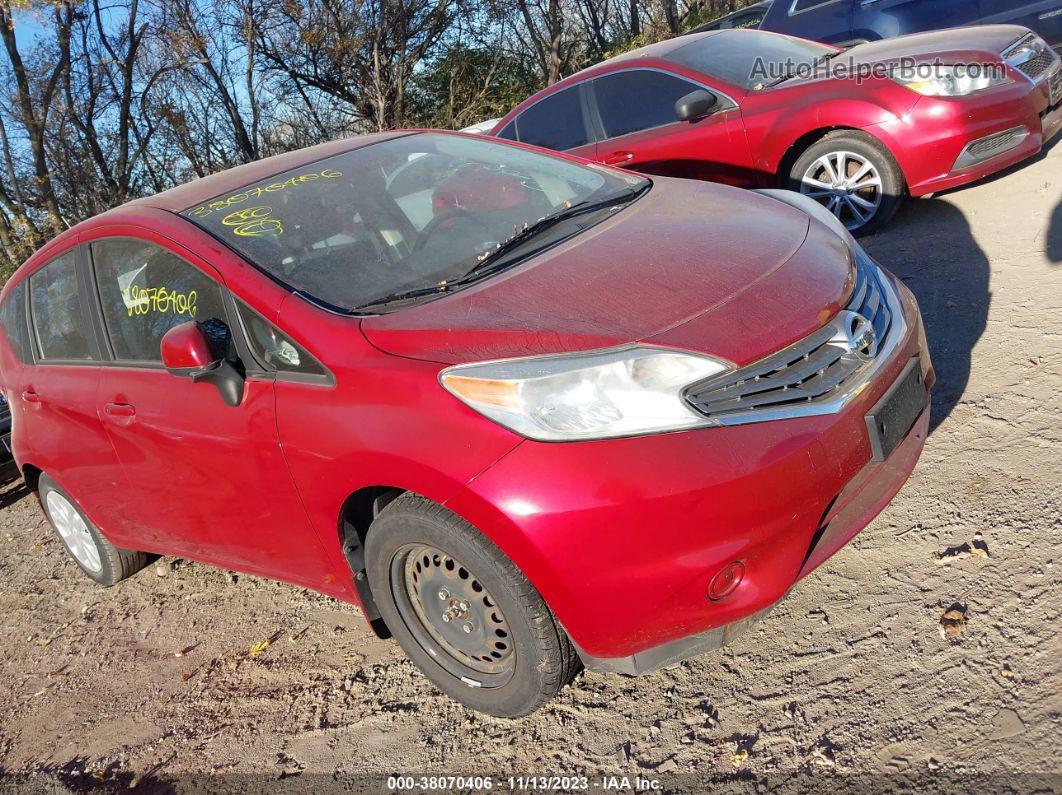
[(463, 612), (854, 176)]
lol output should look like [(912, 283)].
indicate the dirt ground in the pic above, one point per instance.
[(152, 681)]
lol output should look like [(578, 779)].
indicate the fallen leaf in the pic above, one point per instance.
[(738, 758), (259, 647), (954, 622)]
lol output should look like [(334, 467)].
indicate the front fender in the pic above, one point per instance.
[(780, 135)]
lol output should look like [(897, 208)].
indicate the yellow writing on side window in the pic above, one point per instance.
[(145, 300), (257, 192)]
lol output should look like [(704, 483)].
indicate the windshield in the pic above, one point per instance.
[(749, 58), (402, 215)]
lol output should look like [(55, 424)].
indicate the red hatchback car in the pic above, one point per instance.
[(854, 129), (527, 412)]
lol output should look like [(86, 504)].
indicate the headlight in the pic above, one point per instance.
[(932, 80), (585, 396)]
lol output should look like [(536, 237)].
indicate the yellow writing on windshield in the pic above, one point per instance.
[(257, 192), (253, 222), (145, 300)]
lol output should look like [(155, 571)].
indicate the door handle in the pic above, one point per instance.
[(120, 409), (30, 396), (617, 158)]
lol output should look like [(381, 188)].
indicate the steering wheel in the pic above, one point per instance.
[(452, 214)]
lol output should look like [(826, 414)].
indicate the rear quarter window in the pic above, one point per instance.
[(13, 322)]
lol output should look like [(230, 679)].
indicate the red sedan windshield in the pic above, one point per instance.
[(404, 214)]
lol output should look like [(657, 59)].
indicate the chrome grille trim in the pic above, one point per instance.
[(1031, 56), (817, 375)]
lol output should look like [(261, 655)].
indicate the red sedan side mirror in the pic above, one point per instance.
[(185, 352), (184, 347)]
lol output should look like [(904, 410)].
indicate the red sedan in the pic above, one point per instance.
[(526, 412), (855, 129)]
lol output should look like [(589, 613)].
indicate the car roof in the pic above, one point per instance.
[(659, 50), (205, 188)]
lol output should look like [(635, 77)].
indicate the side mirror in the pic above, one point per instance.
[(186, 353), (695, 105)]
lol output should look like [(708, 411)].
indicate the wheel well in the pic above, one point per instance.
[(798, 147), (355, 517), (32, 476)]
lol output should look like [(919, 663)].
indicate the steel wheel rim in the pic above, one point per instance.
[(452, 615), (73, 531), (847, 184)]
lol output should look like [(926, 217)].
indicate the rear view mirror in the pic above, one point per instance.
[(695, 105), (185, 352)]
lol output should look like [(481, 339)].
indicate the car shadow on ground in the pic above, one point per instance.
[(12, 491), (1054, 237), (953, 291)]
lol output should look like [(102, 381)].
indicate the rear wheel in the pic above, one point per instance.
[(97, 557), (463, 612), (854, 176)]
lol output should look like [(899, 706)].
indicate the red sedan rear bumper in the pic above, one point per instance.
[(622, 536), (930, 141)]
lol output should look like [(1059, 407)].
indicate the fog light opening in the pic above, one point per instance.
[(726, 580)]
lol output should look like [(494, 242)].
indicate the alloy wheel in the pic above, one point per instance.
[(452, 615), (847, 184), (73, 531)]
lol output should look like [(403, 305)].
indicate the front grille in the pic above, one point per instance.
[(1056, 85), (1039, 64), (1031, 55), (816, 374)]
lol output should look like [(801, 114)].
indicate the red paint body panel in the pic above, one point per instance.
[(705, 265), (752, 144), (260, 486), (623, 547)]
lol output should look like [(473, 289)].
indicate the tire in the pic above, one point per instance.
[(101, 560), (425, 563), (852, 150)]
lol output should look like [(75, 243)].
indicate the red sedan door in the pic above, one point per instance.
[(636, 109), (201, 478)]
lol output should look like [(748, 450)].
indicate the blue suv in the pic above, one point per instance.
[(853, 21)]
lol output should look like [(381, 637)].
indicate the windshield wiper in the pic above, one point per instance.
[(401, 295), (791, 73), (495, 260)]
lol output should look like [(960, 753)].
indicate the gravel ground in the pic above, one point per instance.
[(152, 681)]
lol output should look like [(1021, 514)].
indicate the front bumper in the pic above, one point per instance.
[(621, 537), (933, 141)]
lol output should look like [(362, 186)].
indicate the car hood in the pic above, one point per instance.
[(980, 43), (690, 265)]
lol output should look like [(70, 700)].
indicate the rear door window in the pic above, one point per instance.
[(145, 290), (555, 122), (55, 307), (638, 99)]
